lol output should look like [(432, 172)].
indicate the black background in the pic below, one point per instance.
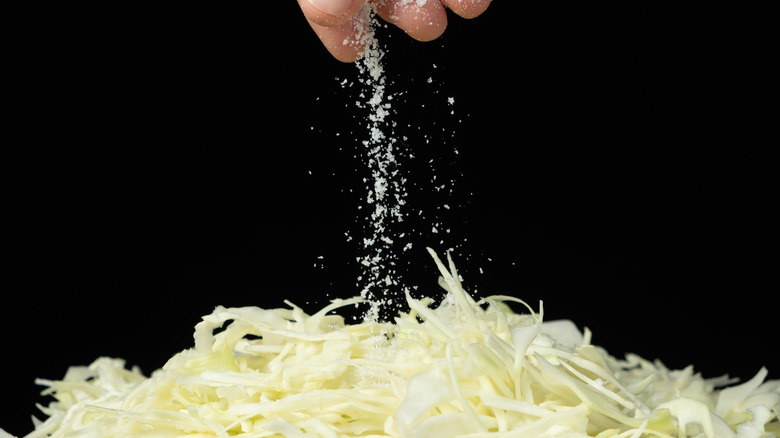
[(616, 161)]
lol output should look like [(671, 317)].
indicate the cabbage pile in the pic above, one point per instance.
[(465, 369)]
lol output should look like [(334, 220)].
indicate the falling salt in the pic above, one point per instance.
[(381, 240), (385, 188)]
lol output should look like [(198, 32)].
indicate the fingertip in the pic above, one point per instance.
[(329, 13), (423, 22), (347, 55), (467, 8), (340, 41), (430, 30)]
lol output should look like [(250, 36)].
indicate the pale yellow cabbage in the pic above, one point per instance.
[(463, 369)]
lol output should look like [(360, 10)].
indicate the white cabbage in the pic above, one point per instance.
[(464, 369)]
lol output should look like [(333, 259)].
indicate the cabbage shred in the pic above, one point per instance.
[(465, 369)]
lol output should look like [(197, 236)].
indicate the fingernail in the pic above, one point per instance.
[(332, 7)]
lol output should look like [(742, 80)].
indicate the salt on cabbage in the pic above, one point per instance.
[(464, 369)]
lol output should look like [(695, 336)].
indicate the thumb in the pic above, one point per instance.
[(330, 13), (341, 41)]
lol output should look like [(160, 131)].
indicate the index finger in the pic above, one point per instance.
[(467, 8), (423, 21)]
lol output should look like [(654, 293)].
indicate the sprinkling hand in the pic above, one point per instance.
[(334, 21)]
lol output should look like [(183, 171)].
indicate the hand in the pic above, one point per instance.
[(334, 20)]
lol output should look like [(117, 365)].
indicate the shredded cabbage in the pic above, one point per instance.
[(465, 369)]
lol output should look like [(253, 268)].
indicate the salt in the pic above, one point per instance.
[(385, 190), (383, 215)]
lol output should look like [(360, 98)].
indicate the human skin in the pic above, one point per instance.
[(423, 20)]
